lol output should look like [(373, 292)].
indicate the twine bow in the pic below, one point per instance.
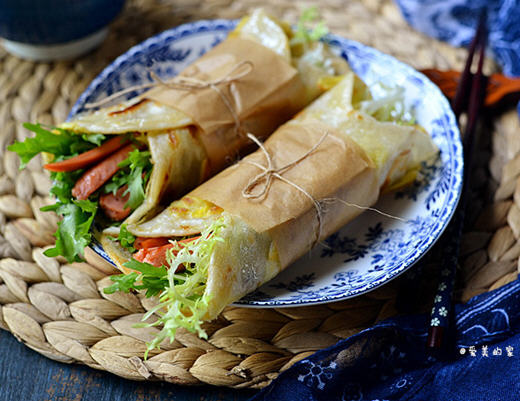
[(238, 71), (265, 178)]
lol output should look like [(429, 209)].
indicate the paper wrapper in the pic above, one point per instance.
[(337, 169), (264, 236), (262, 99)]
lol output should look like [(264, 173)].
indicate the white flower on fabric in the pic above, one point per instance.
[(401, 383), (433, 309), (442, 286), (435, 322), (317, 374), (443, 311), (438, 299)]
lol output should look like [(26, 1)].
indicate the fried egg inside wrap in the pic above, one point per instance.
[(246, 242)]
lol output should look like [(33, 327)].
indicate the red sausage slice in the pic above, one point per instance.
[(96, 176), (156, 256), (142, 242), (114, 205), (85, 159)]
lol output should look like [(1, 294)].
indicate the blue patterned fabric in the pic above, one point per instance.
[(390, 361), (454, 21)]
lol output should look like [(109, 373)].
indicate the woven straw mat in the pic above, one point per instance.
[(59, 309)]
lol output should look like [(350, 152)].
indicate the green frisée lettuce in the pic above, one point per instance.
[(183, 301)]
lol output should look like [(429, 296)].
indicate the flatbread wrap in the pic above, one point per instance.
[(238, 230), (120, 165)]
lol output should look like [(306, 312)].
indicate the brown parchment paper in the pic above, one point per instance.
[(263, 99), (337, 168)]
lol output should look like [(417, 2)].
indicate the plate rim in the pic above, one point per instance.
[(186, 28), (224, 25)]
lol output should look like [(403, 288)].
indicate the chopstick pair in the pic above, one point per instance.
[(469, 97)]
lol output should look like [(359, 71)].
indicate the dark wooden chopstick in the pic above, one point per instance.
[(474, 85), (460, 101)]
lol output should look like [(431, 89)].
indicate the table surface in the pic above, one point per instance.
[(50, 380)]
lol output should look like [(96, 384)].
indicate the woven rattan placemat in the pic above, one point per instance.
[(58, 309)]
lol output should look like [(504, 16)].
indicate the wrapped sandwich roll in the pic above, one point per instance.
[(193, 130), (245, 225), (124, 163)]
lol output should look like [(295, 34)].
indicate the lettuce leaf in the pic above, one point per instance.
[(131, 174), (153, 280), (74, 230), (183, 301), (126, 239), (122, 282), (73, 234), (137, 162), (63, 182), (57, 141)]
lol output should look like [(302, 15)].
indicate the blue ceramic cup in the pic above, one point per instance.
[(55, 29)]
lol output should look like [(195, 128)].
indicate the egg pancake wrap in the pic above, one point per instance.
[(270, 94), (250, 82), (263, 236), (245, 242)]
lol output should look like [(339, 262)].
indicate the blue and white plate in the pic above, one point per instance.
[(372, 249)]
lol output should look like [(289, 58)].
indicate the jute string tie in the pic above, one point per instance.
[(184, 83), (264, 181), (265, 178)]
